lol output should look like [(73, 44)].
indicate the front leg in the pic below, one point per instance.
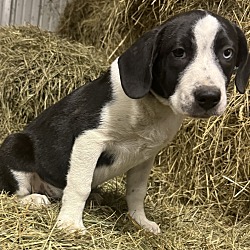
[(137, 178), (84, 156)]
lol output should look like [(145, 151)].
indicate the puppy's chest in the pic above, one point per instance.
[(133, 144)]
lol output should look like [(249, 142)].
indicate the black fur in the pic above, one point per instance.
[(42, 146), (178, 36)]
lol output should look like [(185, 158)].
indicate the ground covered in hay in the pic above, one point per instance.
[(199, 189)]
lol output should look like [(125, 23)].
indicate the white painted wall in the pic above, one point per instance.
[(42, 13)]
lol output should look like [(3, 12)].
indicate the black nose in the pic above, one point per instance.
[(207, 97)]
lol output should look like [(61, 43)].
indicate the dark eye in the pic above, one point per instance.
[(228, 53), (179, 52)]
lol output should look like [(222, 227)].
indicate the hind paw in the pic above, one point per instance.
[(35, 200)]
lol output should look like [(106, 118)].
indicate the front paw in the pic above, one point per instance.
[(146, 224), (71, 226)]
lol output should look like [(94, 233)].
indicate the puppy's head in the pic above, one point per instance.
[(187, 63)]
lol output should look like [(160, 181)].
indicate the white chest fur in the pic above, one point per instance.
[(133, 130), (131, 149)]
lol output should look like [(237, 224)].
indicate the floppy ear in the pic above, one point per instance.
[(243, 63), (135, 65)]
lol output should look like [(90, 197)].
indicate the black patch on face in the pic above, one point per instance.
[(47, 142), (168, 66), (105, 159), (226, 39)]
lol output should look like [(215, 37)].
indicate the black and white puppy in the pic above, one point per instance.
[(118, 123)]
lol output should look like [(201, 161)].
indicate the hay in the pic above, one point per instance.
[(199, 189), (114, 25), (184, 227), (37, 69)]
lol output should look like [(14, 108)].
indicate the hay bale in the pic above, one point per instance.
[(199, 189), (37, 68), (119, 23), (114, 25)]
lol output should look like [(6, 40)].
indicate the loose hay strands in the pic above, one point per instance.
[(198, 191)]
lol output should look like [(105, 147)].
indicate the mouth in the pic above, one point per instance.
[(203, 115), (197, 112)]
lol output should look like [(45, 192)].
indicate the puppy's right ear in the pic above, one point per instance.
[(135, 65), (243, 63)]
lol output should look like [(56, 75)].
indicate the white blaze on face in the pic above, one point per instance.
[(204, 70)]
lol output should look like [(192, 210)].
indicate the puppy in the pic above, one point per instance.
[(118, 123)]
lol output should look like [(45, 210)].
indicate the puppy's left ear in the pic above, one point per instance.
[(135, 65), (243, 63)]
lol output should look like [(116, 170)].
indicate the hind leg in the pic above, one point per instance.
[(16, 168), (32, 189), (25, 188)]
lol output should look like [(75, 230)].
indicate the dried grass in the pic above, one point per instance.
[(37, 69), (199, 188), (113, 25)]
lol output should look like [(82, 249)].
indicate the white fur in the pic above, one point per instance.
[(31, 183), (137, 178), (25, 188), (35, 200), (203, 70), (134, 131), (86, 150), (24, 182)]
